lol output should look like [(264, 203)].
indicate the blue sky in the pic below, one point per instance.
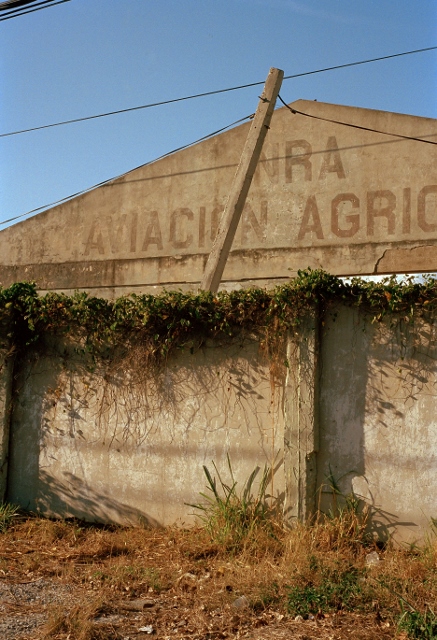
[(85, 57)]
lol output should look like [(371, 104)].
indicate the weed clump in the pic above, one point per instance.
[(7, 514), (419, 625), (237, 520), (334, 590)]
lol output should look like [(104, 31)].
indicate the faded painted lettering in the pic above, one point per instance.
[(250, 221), (426, 198), (116, 231), (331, 162), (153, 232), (299, 163), (341, 206), (216, 214), (406, 211), (95, 240), (202, 217), (381, 204), (311, 222), (179, 236)]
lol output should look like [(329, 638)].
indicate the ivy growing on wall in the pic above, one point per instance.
[(173, 318)]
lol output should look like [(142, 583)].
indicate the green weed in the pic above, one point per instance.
[(232, 518), (7, 513), (419, 625), (335, 590)]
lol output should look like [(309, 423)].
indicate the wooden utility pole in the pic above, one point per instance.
[(242, 181)]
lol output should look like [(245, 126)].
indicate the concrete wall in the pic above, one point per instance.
[(358, 403), (6, 375), (120, 446), (348, 200), (377, 418)]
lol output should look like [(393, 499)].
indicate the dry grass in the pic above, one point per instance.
[(76, 622), (193, 582)]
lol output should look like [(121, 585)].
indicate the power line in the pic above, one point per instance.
[(211, 93), (356, 126), (14, 13), (165, 155), (11, 5)]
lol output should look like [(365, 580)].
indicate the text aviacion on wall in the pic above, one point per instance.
[(304, 199)]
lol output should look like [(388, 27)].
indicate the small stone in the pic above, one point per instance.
[(241, 603), (139, 604), (298, 619), (189, 576), (372, 559), (147, 629)]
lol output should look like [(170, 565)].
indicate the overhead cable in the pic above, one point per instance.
[(11, 5), (100, 184), (45, 4), (211, 93), (356, 126)]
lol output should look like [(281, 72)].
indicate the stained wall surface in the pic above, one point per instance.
[(349, 200), (377, 419), (119, 446), (357, 416)]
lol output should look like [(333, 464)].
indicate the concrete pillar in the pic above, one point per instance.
[(301, 438), (6, 372)]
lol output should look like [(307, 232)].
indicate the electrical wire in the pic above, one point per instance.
[(14, 5), (356, 126), (100, 184), (211, 93), (17, 6), (15, 13)]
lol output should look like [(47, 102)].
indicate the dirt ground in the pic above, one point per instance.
[(68, 581), (26, 607)]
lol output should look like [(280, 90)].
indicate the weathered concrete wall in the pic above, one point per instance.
[(377, 419), (357, 408), (114, 447), (6, 370), (364, 202)]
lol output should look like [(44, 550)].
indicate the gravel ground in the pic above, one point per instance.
[(24, 608)]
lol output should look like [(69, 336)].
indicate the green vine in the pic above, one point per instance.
[(163, 322)]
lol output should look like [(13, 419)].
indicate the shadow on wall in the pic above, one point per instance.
[(29, 485), (84, 442), (73, 498), (378, 384)]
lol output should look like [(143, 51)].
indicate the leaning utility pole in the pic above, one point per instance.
[(242, 181)]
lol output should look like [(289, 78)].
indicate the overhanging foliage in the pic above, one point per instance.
[(172, 318)]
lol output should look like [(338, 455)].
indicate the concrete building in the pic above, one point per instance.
[(325, 195), (358, 401)]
